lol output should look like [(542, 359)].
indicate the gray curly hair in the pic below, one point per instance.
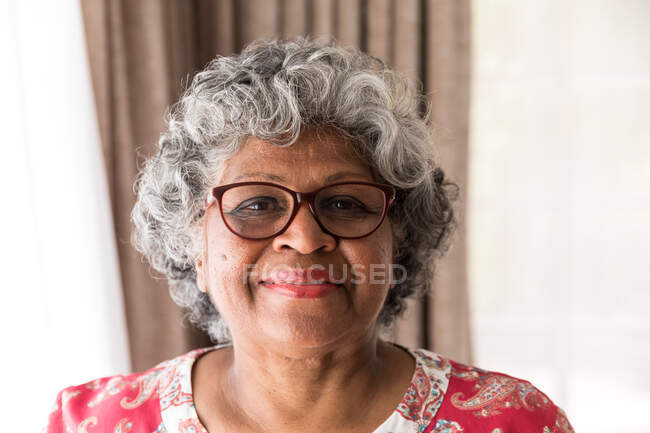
[(274, 90)]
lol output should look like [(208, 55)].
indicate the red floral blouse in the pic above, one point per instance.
[(444, 397)]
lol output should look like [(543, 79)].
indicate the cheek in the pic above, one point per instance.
[(223, 250), (227, 257), (381, 246), (373, 255)]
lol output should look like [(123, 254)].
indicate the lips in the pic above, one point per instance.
[(300, 283), (301, 277), (304, 291)]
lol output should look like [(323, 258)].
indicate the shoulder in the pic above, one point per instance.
[(482, 400), (121, 403)]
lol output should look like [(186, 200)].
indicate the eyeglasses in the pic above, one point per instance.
[(262, 210)]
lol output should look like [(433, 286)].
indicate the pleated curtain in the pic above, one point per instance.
[(142, 53)]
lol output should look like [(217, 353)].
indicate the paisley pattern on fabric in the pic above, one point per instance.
[(562, 424), (191, 426), (173, 395), (494, 392), (442, 397), (114, 386), (162, 382), (88, 422), (447, 426), (146, 385), (66, 396), (160, 429), (430, 360), (95, 384), (123, 426), (426, 391), (422, 398)]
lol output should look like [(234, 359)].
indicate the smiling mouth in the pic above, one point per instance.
[(302, 290), (301, 283)]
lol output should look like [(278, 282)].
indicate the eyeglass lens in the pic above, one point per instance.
[(259, 211)]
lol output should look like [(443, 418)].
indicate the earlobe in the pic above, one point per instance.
[(198, 263)]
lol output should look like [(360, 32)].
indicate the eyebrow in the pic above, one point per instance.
[(278, 178)]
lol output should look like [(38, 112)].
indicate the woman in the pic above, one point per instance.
[(294, 203)]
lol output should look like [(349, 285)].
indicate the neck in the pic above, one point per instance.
[(288, 387)]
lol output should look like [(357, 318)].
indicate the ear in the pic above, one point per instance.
[(200, 277)]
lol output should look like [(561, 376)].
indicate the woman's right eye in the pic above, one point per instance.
[(258, 204)]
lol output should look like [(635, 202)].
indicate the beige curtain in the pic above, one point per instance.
[(141, 53)]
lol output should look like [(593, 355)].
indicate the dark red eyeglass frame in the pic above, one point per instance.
[(298, 197)]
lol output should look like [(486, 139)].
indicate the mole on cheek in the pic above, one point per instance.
[(224, 257)]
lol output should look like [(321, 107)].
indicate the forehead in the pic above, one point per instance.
[(314, 156)]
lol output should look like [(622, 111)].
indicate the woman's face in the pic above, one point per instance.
[(231, 267)]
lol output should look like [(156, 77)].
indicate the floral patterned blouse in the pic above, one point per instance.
[(444, 397)]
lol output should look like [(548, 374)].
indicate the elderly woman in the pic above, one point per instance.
[(294, 203)]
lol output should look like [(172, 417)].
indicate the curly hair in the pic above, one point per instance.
[(274, 90)]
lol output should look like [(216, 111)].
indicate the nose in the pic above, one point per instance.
[(304, 234)]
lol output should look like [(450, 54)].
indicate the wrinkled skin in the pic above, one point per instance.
[(297, 363)]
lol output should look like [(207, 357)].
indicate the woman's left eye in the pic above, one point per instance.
[(343, 204), (340, 204)]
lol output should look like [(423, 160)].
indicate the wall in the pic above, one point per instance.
[(559, 203)]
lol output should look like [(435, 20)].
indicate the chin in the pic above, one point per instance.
[(306, 336)]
